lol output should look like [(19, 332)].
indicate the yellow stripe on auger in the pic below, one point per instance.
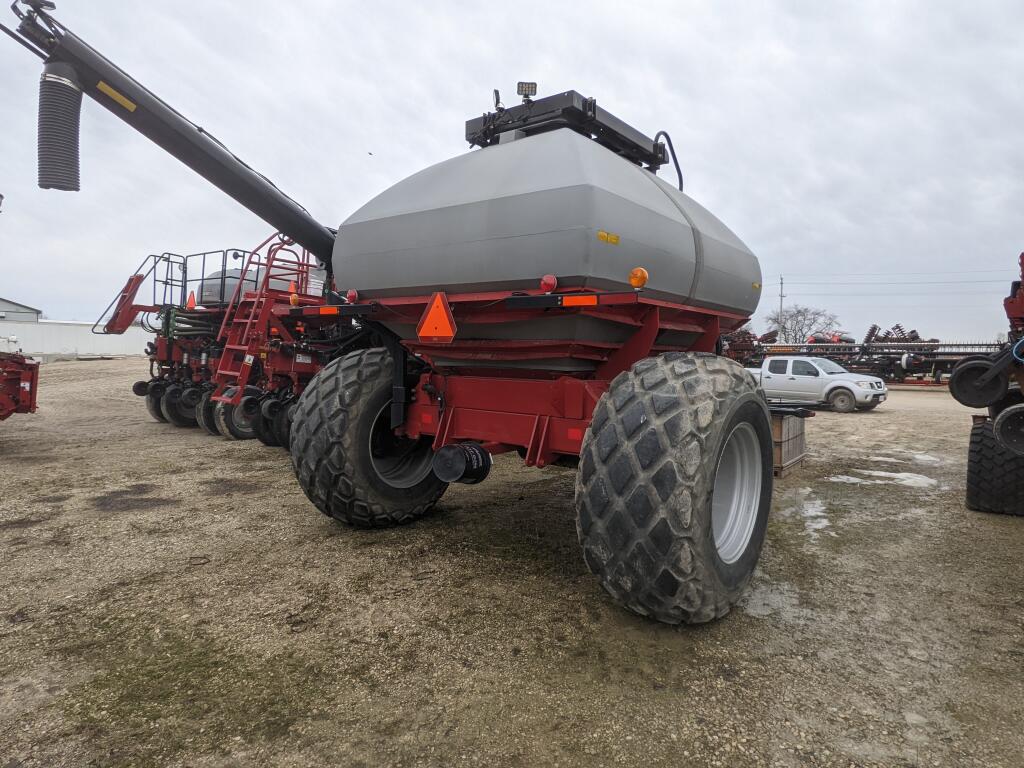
[(120, 98)]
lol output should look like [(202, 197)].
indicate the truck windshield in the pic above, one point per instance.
[(828, 366)]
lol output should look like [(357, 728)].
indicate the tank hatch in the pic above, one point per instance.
[(566, 110)]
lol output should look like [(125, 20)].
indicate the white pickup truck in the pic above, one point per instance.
[(820, 381)]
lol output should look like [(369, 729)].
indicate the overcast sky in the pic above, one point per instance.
[(871, 152)]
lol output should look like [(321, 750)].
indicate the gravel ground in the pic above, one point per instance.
[(169, 598)]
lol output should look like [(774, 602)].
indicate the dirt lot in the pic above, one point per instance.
[(169, 598)]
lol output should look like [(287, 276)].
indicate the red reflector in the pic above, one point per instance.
[(328, 310), (437, 324), (427, 418), (579, 301), (574, 433)]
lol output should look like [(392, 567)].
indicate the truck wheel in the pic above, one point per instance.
[(842, 401), (995, 476), (232, 421), (174, 410), (675, 485), (204, 414), (153, 406), (348, 461)]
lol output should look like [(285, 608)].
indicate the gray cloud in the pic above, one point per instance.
[(837, 139)]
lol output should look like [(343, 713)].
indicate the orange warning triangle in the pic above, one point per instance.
[(437, 325), (191, 303)]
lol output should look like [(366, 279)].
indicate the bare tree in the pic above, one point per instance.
[(795, 323)]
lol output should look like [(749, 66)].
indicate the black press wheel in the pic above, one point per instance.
[(346, 457), (153, 406), (674, 486), (282, 423), (842, 401), (263, 427), (995, 475), (966, 388), (204, 414), (234, 421), (174, 408)]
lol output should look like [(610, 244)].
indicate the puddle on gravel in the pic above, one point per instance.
[(906, 479), (918, 457), (781, 601), (811, 510), (815, 519)]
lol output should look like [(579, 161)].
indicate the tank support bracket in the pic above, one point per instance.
[(636, 348)]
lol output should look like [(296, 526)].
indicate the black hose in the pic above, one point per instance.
[(672, 151), (60, 107)]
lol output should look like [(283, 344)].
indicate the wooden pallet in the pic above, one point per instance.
[(789, 444)]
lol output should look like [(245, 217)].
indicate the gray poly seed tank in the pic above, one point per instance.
[(500, 217)]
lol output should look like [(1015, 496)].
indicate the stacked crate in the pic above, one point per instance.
[(789, 444)]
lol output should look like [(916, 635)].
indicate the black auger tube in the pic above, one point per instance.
[(113, 89), (60, 108)]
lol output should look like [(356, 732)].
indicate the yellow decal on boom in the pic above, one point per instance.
[(120, 98)]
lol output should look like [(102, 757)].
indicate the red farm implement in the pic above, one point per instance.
[(181, 300), (653, 424), (995, 457), (471, 390), (19, 380), (267, 357), (444, 350)]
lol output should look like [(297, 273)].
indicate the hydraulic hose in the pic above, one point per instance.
[(672, 151)]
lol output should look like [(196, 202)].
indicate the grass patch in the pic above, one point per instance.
[(160, 692)]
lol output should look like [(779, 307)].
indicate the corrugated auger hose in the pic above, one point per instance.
[(60, 109)]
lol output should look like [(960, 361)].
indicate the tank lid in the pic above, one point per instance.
[(567, 110)]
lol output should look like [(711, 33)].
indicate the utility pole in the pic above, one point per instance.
[(781, 297)]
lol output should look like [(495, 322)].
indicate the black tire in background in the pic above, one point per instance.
[(346, 458), (842, 401), (231, 420), (264, 429), (995, 475), (153, 406), (174, 410), (668, 437), (282, 424), (204, 414)]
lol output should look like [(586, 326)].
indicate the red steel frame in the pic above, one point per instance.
[(1014, 304), (540, 414), (19, 380), (253, 329)]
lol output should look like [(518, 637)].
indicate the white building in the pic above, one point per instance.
[(12, 310)]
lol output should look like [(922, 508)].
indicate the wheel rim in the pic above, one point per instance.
[(398, 461), (240, 420), (842, 400), (737, 493)]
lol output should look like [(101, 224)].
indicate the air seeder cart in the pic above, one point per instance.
[(545, 294)]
